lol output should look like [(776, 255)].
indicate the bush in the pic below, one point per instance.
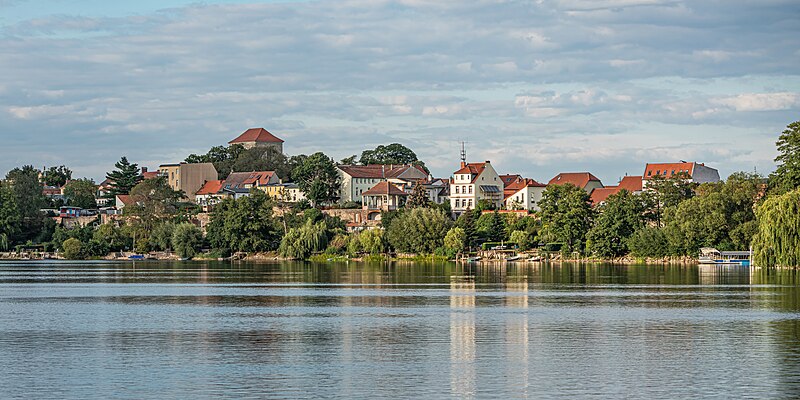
[(300, 243), (455, 240), (187, 240), (73, 249), (649, 242)]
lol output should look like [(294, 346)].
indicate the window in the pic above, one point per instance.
[(457, 190), (658, 172), (649, 173), (470, 203), (458, 203), (463, 189), (470, 190), (673, 172)]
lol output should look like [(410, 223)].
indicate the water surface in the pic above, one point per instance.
[(218, 330)]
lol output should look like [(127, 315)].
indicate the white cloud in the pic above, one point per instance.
[(761, 101)]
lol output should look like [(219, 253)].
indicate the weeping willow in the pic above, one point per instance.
[(299, 243), (777, 242)]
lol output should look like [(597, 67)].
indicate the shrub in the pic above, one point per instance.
[(187, 240), (73, 249)]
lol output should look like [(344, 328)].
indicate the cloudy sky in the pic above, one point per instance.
[(538, 87)]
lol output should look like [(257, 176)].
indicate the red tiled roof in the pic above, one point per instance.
[(579, 179), (472, 168), (379, 171), (150, 175), (509, 179), (259, 178), (384, 188), (258, 135), (125, 199), (631, 183), (211, 187), (667, 170), (600, 195)]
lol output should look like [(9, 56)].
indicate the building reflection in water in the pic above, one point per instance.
[(462, 336), (516, 338)]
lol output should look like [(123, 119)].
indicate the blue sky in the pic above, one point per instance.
[(538, 87)]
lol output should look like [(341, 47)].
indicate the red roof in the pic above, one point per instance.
[(579, 179), (258, 135), (379, 171), (384, 188), (631, 183), (509, 179), (600, 195), (471, 168), (211, 187), (516, 186), (259, 178), (667, 170), (125, 199), (150, 175)]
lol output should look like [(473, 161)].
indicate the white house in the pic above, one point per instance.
[(357, 179), (472, 183), (524, 194)]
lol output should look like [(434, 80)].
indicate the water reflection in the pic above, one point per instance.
[(462, 336)]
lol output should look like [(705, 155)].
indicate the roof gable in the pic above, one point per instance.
[(258, 135), (579, 179), (631, 183), (384, 188), (384, 171)]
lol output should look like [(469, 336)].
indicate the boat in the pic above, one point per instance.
[(135, 257), (514, 258), (712, 256), (535, 259)]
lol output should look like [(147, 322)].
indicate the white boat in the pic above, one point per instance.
[(712, 256)]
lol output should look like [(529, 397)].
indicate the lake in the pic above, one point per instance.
[(98, 330)]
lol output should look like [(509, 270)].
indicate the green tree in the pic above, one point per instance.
[(649, 242), (123, 178), (73, 249), (10, 217), (317, 177), (245, 224), (56, 176), (187, 240), (777, 241), (348, 161), (372, 241), (161, 236), (81, 193), (27, 192), (114, 236), (154, 202), (420, 230), (787, 176), (302, 242), (455, 240), (223, 158), (667, 192), (566, 216), (491, 227), (418, 197), (525, 240), (619, 217), (394, 153), (467, 222)]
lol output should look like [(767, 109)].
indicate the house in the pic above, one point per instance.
[(210, 194), (258, 137), (188, 178), (523, 194), (122, 200), (472, 183), (583, 180), (383, 196), (286, 192), (438, 190), (238, 184), (632, 184), (357, 179), (692, 172)]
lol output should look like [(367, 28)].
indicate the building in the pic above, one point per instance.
[(383, 196), (438, 190), (475, 182), (188, 178), (523, 194), (286, 192), (210, 194), (258, 137), (692, 172), (632, 184), (357, 179), (583, 180)]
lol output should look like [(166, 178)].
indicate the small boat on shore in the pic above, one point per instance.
[(712, 256), (514, 258)]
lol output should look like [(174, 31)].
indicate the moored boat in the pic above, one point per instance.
[(712, 256)]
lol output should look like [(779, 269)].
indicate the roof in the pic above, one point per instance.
[(384, 188), (379, 171), (631, 183), (514, 187), (150, 175), (668, 170), (237, 180), (210, 187), (258, 135), (125, 199), (509, 179), (600, 195), (579, 179), (259, 178), (471, 168)]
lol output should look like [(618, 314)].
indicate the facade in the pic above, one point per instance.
[(583, 180), (472, 183), (694, 172), (523, 194), (357, 179), (210, 194), (258, 137), (383, 196), (286, 192), (188, 178), (438, 190)]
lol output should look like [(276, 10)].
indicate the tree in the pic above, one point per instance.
[(566, 215), (262, 159), (81, 193), (649, 242), (154, 202), (491, 227), (73, 249), (394, 153), (123, 178), (10, 217), (245, 224), (455, 240), (420, 230), (317, 177), (27, 192), (467, 222), (787, 176), (418, 197), (113, 236), (349, 160), (619, 217), (223, 158), (299, 243), (525, 240), (161, 236), (667, 192), (372, 241), (187, 240), (56, 176), (777, 242)]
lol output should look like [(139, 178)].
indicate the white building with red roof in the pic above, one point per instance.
[(357, 179), (210, 194), (258, 137), (472, 183), (692, 172), (383, 196), (523, 194)]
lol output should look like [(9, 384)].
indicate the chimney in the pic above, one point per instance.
[(463, 164), (488, 162), (144, 170)]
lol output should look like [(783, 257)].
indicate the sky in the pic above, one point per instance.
[(537, 87)]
